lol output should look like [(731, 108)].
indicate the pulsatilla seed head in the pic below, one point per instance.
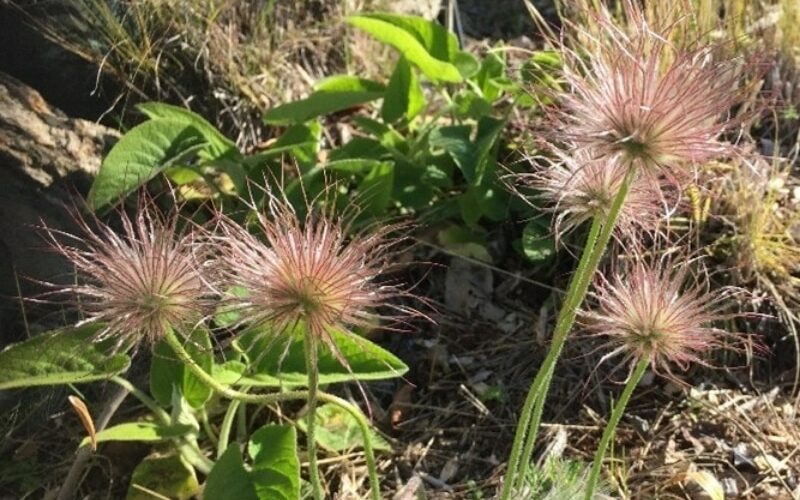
[(655, 311), (304, 271), (137, 283), (638, 97), (578, 187)]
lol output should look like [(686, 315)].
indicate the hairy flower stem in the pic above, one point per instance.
[(310, 348), (262, 399), (611, 427), (225, 428), (186, 448), (531, 415)]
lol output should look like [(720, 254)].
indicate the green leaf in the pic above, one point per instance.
[(168, 372), (537, 242), (375, 191), (425, 44), (139, 431), (455, 140), (332, 95), (337, 430), (466, 63), (270, 368), (229, 480), (276, 468), (67, 356), (218, 144), (353, 165), (140, 155), (359, 148), (348, 83), (492, 68), (403, 97), (469, 242), (167, 475)]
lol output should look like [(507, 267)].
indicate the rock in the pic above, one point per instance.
[(46, 160)]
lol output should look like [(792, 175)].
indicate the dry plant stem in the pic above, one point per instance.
[(262, 399), (611, 427), (188, 450), (531, 415), (310, 348)]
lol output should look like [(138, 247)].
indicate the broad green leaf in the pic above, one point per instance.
[(492, 68), (270, 368), (388, 137), (469, 242), (166, 475), (139, 431), (403, 97), (140, 155), (276, 467), (455, 140), (537, 241), (375, 191), (229, 479), (489, 130), (337, 430), (353, 165), (218, 144), (66, 356), (466, 63), (359, 148), (348, 83), (332, 95), (425, 44), (167, 372)]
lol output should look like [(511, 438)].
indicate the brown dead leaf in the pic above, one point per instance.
[(86, 418)]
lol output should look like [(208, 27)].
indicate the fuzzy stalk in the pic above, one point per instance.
[(310, 348), (261, 399), (611, 427), (225, 428), (187, 449), (533, 408)]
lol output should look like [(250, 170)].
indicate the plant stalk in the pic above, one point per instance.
[(533, 408), (611, 427), (355, 412), (310, 348)]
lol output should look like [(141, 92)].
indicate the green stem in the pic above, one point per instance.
[(186, 448), (225, 428), (261, 399), (310, 348), (207, 427), (516, 470), (611, 427), (533, 408)]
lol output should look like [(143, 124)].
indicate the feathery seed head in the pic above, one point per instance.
[(642, 99), (652, 311), (579, 187), (139, 283), (307, 271)]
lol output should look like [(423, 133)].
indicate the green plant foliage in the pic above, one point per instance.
[(166, 475), (229, 479), (338, 431), (276, 467), (141, 154), (273, 475), (334, 94), (139, 431), (404, 96), (425, 44), (273, 365), (537, 241), (66, 356), (168, 373), (217, 144)]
